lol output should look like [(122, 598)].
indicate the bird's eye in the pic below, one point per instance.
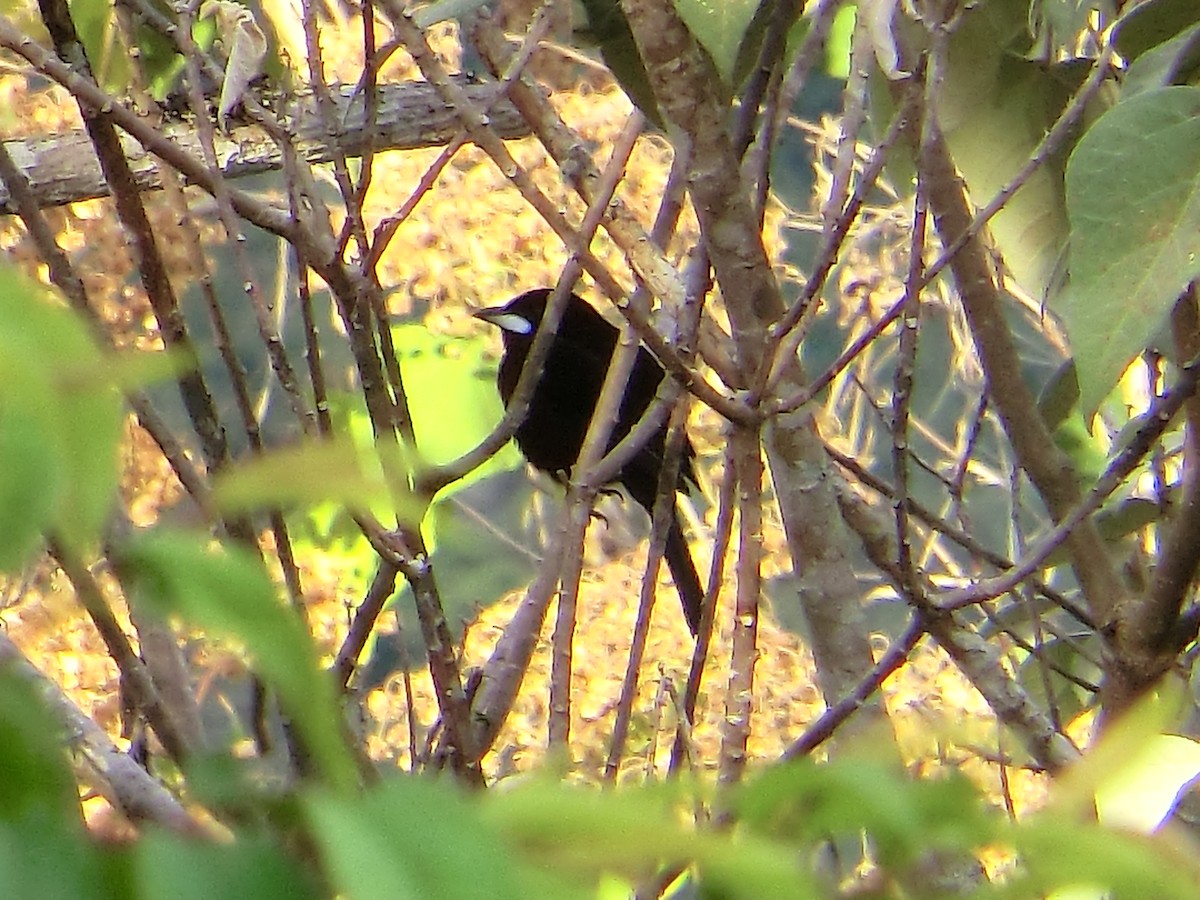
[(513, 322)]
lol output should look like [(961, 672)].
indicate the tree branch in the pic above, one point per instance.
[(64, 169)]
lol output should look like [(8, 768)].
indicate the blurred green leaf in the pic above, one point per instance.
[(444, 375), (44, 849), (308, 474), (60, 418), (838, 44), (239, 786), (905, 818), (1146, 787), (441, 375), (1064, 852), (1121, 741), (411, 838), (1134, 207), (168, 866), (226, 591), (37, 786), (44, 860), (589, 833), (31, 483)]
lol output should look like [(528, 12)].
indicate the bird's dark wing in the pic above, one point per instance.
[(551, 435)]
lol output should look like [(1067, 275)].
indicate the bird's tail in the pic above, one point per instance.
[(683, 571), (642, 484)]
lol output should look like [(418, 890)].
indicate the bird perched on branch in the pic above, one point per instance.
[(551, 435)]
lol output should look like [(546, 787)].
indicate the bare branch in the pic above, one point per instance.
[(64, 169)]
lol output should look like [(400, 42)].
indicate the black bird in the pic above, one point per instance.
[(551, 435)]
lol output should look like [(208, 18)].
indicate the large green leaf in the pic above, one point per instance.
[(168, 866), (1173, 62), (1133, 197), (36, 783), (719, 26), (607, 28), (60, 420), (1063, 846), (96, 23), (451, 389), (838, 46), (1074, 857), (412, 838), (588, 833), (812, 801), (1153, 23), (31, 483), (41, 859), (994, 107), (1147, 787), (450, 386), (307, 474), (44, 851)]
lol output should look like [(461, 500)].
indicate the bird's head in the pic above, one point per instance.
[(518, 317)]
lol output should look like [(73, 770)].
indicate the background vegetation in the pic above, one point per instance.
[(924, 275)]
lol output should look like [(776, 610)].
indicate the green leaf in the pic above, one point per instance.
[(1173, 62), (91, 414), (1150, 24), (839, 44), (167, 866), (995, 107), (226, 591), (608, 29), (443, 374), (308, 474), (440, 374), (719, 26), (37, 786), (61, 420), (44, 860), (1122, 741), (1146, 787), (411, 838), (905, 818), (1133, 197), (1061, 853), (589, 834), (31, 485), (95, 21), (44, 848)]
